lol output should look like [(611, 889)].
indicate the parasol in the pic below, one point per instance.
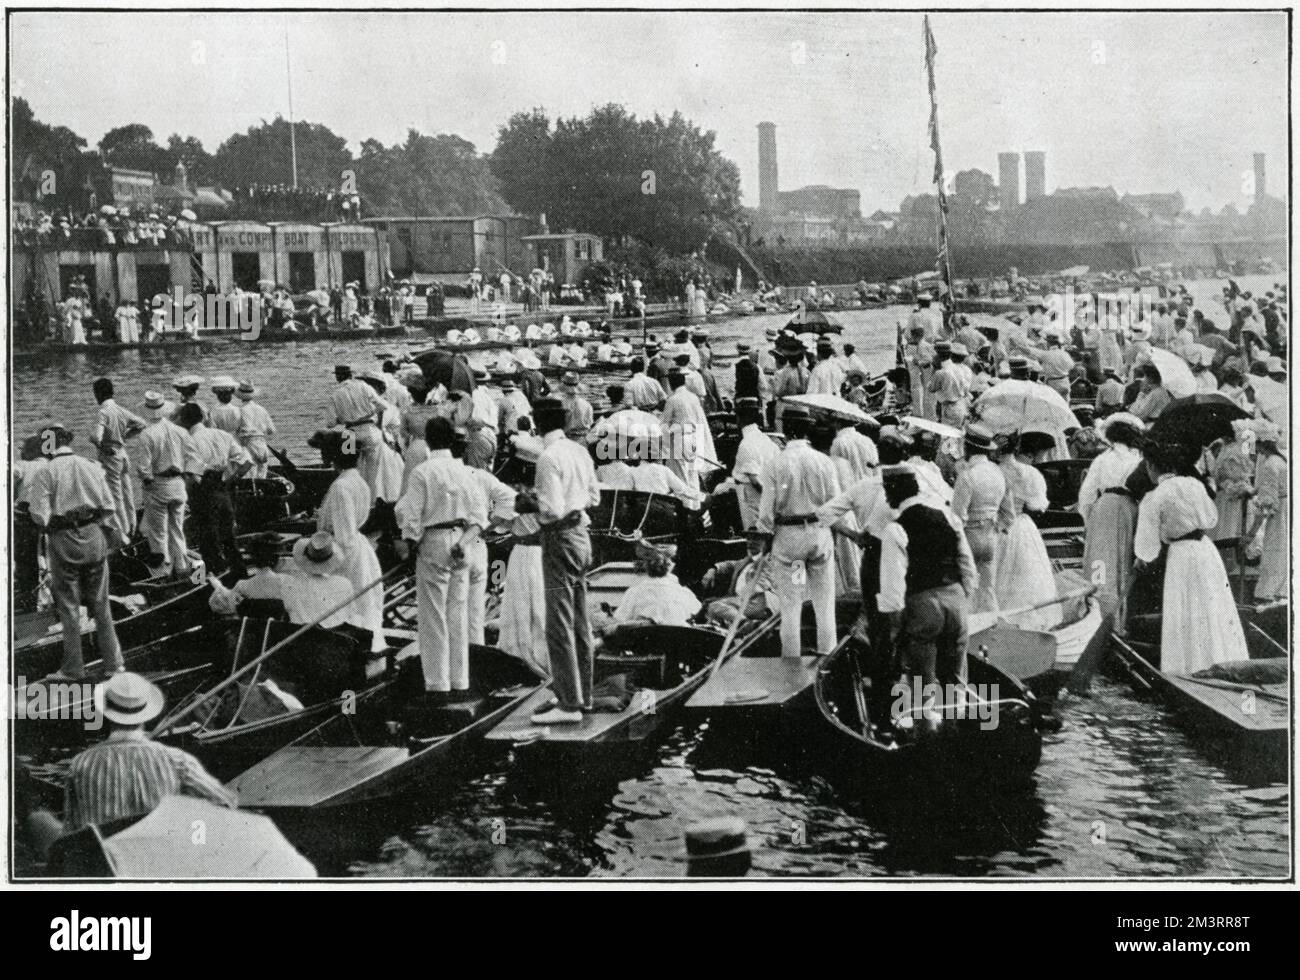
[(1272, 399), (1199, 419), (108, 209), (1014, 405), (627, 434), (184, 837), (1175, 375), (831, 405), (189, 215), (938, 428), (814, 321), (451, 371)]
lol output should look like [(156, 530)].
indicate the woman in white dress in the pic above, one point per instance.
[(1024, 572), (522, 621), (1200, 626), (1109, 515), (1232, 483), (1271, 508), (345, 508)]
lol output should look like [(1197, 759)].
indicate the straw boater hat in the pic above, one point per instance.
[(978, 437), (223, 382), (245, 391), (187, 381), (569, 379), (128, 699), (154, 404), (507, 384), (317, 555)]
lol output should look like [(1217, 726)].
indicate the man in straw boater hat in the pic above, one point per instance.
[(441, 513), (255, 427), (225, 415), (128, 774), (565, 487), (927, 575), (112, 428), (578, 413), (357, 407), (795, 486), (217, 461), (70, 501), (163, 449)]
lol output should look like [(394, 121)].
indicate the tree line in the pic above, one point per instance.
[(652, 182)]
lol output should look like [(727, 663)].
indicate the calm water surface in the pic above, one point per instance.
[(1121, 791)]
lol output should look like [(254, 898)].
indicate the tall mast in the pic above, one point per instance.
[(293, 139), (944, 262)]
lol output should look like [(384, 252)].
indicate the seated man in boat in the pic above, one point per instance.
[(623, 348), (511, 333), (555, 357), (454, 337), (604, 352), (470, 336), (493, 334), (531, 332), (264, 585), (730, 580), (655, 597), (316, 584), (128, 774), (575, 355)]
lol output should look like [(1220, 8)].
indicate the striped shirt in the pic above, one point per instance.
[(127, 775), (226, 416), (114, 425), (68, 485), (162, 446)]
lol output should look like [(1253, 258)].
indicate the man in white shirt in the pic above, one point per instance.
[(795, 486), (215, 461), (642, 391), (827, 377), (112, 428), (927, 574), (71, 502), (163, 449), (565, 488), (441, 514), (755, 451)]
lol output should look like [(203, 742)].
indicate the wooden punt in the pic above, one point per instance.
[(398, 741)]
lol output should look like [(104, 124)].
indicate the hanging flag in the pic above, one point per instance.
[(943, 262)]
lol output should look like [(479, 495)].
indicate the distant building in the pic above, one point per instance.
[(818, 200), (1035, 174), (449, 249), (566, 256), (1009, 180), (1167, 206), (767, 175)]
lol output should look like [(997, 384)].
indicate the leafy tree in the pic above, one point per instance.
[(133, 146), (263, 156), (39, 147), (427, 175), (655, 180)]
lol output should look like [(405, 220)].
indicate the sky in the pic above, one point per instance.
[(1142, 102)]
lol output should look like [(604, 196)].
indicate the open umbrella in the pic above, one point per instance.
[(108, 209), (831, 405), (628, 434), (938, 428), (1175, 375), (812, 321), (1014, 405), (1198, 419), (185, 837), (189, 215), (451, 371)]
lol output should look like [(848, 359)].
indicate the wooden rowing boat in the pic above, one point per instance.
[(995, 742), (397, 742), (665, 665), (1242, 707), (169, 607), (326, 670)]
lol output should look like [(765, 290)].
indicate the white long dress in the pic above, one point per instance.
[(523, 605), (848, 556), (344, 509), (1200, 625), (1024, 571)]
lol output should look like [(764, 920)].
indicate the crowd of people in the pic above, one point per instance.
[(111, 225), (282, 202)]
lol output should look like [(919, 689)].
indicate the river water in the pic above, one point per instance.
[(1121, 790)]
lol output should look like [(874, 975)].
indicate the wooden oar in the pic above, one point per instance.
[(283, 456), (1280, 648), (171, 720), (760, 566), (1068, 597), (1223, 685)]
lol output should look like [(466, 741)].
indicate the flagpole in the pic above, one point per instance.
[(944, 264), (293, 139)]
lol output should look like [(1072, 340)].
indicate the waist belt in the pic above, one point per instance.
[(445, 525), (1196, 535), (797, 521), (1119, 492), (571, 519), (167, 473), (69, 522)]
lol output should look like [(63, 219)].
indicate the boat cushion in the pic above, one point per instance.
[(1270, 671)]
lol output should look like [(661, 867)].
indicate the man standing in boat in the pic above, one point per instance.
[(164, 448), (113, 427), (217, 460), (71, 502), (927, 574), (565, 487), (795, 486), (357, 407), (255, 427), (441, 514)]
